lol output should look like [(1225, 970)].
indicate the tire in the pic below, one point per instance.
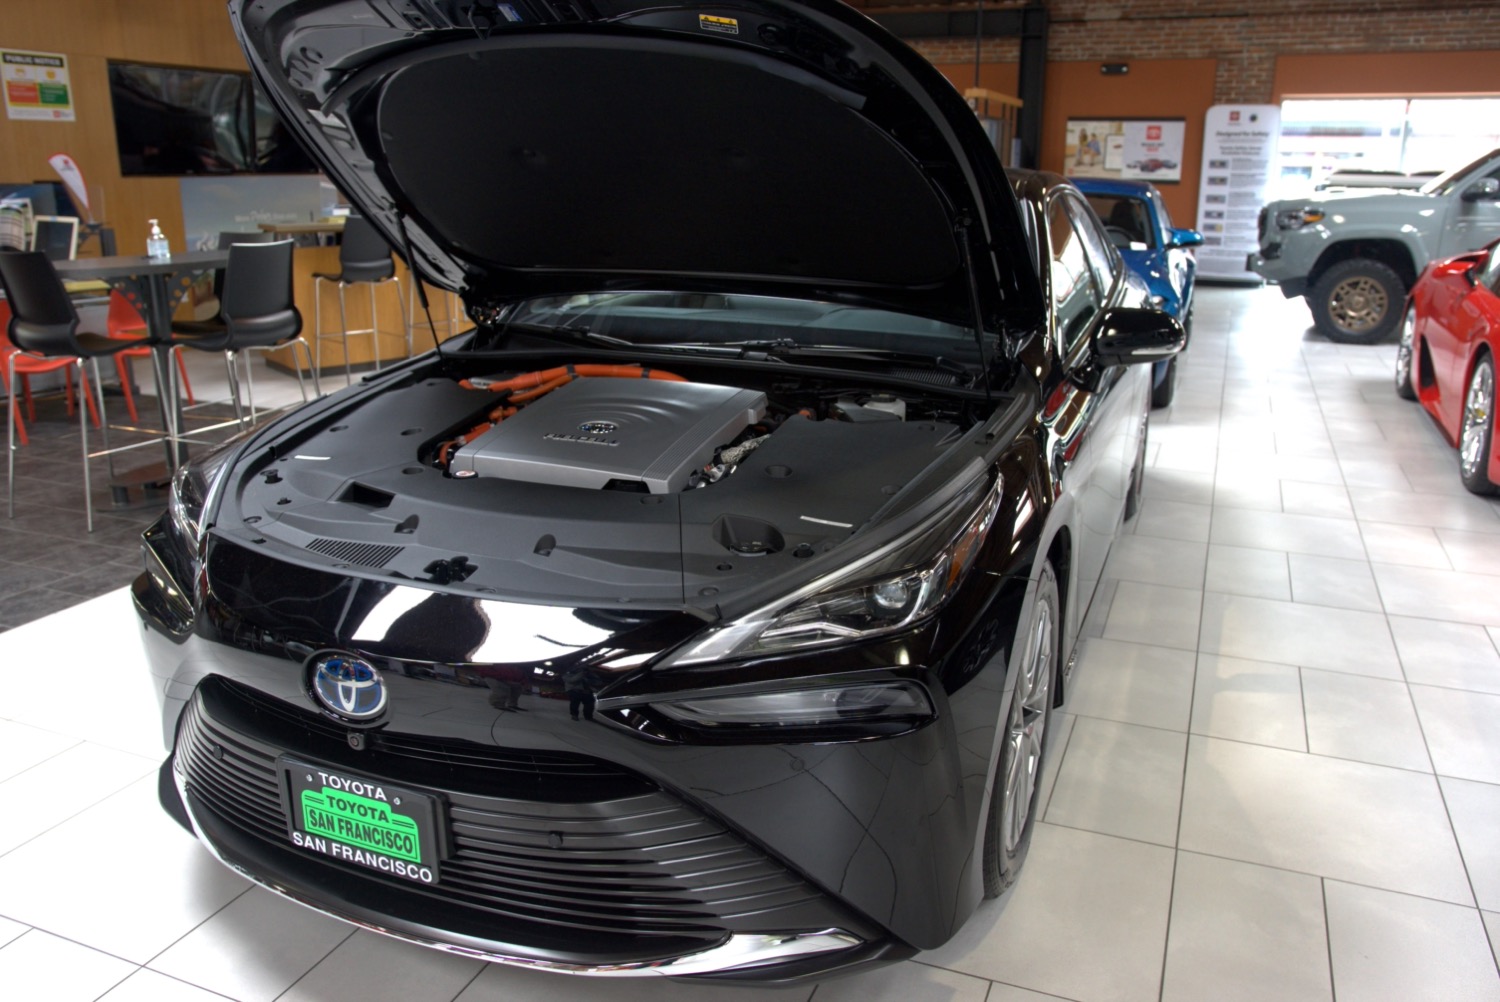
[(1357, 301), (1405, 388), (1162, 393), (1017, 786), (1476, 439)]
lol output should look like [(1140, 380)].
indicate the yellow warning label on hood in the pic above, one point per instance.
[(725, 25)]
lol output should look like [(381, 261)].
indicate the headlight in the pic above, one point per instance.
[(852, 704), (1295, 219), (885, 592), (193, 485)]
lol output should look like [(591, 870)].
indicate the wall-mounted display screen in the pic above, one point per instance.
[(172, 120)]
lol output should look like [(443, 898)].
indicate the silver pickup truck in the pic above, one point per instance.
[(1354, 254)]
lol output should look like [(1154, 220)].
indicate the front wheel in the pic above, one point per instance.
[(1477, 439), (1404, 387), (1357, 301), (1017, 786), (1163, 392)]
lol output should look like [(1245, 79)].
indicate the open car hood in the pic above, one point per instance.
[(545, 147)]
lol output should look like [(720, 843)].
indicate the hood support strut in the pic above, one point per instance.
[(967, 251)]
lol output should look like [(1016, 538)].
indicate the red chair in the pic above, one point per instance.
[(30, 365), (126, 324)]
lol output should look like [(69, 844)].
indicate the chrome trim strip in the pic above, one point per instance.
[(739, 951)]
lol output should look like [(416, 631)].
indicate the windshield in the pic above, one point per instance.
[(714, 318), (1445, 183)]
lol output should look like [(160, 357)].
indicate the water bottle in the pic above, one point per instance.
[(156, 244)]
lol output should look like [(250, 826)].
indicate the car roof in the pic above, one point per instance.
[(1112, 186)]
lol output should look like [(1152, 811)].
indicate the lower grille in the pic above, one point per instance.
[(643, 872)]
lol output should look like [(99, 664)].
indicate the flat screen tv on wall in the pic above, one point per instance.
[(172, 120)]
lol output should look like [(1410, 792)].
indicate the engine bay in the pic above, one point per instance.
[(617, 484)]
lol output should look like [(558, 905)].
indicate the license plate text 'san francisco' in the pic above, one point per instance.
[(362, 821)]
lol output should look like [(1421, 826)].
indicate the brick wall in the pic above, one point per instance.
[(1245, 36)]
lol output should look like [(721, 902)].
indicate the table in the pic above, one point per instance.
[(154, 287)]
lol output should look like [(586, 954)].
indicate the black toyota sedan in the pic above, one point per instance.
[(700, 612)]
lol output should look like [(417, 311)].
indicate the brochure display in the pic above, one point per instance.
[(1138, 149), (1239, 155)]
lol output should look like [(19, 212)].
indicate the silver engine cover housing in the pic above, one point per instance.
[(596, 430)]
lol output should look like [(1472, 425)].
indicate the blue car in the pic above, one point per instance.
[(1138, 224)]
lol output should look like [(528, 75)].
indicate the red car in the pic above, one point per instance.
[(1449, 342)]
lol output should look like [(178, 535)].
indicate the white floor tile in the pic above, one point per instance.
[(1453, 655), (65, 784), (1010, 993), (1437, 511), (1475, 811), (1120, 779), (39, 966), (1240, 570), (1407, 545), (148, 986), (254, 949), (374, 968), (1057, 749), (904, 983), (1152, 560), (1266, 530), (1253, 701), (1327, 500), (23, 746), (1289, 633), (497, 983), (1245, 933), (171, 885), (1318, 815), (1474, 552), (1173, 520), (1394, 946), (1492, 926), (1178, 485), (1332, 581), (1434, 594), (1364, 719), (1133, 683), (1152, 614), (1086, 921), (10, 930), (1463, 731)]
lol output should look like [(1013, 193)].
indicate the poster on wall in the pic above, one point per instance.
[(36, 85), (1143, 149), (1239, 156)]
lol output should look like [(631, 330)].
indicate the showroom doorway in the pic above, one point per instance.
[(1379, 142)]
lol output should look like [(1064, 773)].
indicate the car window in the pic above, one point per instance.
[(1489, 271), (1126, 220), (1103, 259), (1075, 297)]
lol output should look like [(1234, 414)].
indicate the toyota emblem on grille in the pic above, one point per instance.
[(348, 686), (598, 427)]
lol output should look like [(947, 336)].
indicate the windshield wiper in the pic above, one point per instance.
[(778, 348), (571, 333)]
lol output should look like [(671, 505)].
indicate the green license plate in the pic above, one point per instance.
[(363, 821)]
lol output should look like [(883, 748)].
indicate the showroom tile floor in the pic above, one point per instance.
[(1277, 776)]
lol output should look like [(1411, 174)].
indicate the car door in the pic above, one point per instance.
[(1475, 322), (1088, 423), (1470, 224)]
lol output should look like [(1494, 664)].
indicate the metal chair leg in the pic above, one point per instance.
[(316, 376), (83, 425), (401, 303), (318, 322), (249, 384), (234, 388), (109, 456), (297, 367), (344, 324), (13, 404), (374, 327)]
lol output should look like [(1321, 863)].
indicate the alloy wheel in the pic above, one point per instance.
[(1358, 303), (1404, 384), (1479, 406), (1025, 730)]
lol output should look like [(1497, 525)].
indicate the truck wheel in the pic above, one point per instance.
[(1357, 301)]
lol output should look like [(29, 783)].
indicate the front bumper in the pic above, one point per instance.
[(639, 883)]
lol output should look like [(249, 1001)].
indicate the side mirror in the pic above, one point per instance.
[(1486, 189), (1185, 238), (1127, 336)]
